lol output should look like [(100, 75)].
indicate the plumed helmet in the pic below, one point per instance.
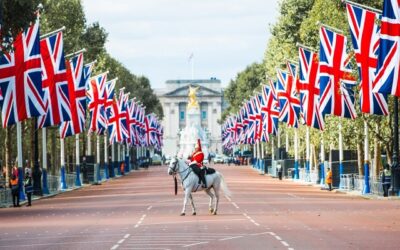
[(198, 145)]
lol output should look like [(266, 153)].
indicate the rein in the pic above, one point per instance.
[(179, 172)]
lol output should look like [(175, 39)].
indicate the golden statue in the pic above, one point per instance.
[(192, 98)]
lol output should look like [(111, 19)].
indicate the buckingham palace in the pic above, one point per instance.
[(174, 100)]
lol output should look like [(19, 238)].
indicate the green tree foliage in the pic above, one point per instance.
[(68, 13), (15, 16), (242, 87)]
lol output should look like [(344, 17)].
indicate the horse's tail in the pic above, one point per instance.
[(224, 187)]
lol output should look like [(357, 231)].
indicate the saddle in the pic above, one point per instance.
[(210, 170)]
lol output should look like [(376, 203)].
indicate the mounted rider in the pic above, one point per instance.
[(196, 163)]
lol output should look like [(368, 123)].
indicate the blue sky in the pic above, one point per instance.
[(155, 38)]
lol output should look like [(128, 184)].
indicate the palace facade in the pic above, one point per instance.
[(174, 100)]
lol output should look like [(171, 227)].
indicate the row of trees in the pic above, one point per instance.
[(16, 15), (297, 23)]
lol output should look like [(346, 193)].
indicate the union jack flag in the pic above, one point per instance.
[(387, 79), (308, 85), (365, 36), (336, 79), (21, 79), (116, 120), (261, 105), (271, 109), (131, 123), (109, 94), (252, 126), (258, 117), (54, 81), (78, 77), (150, 129), (289, 103), (95, 97)]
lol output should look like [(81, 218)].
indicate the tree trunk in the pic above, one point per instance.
[(360, 158), (388, 149)]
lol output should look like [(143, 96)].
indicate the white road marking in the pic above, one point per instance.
[(190, 245), (234, 204), (149, 207), (229, 238), (127, 236), (272, 233), (285, 243), (114, 247), (277, 237), (121, 241)]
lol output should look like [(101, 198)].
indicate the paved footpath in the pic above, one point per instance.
[(139, 211)]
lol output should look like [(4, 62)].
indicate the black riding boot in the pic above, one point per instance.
[(203, 177)]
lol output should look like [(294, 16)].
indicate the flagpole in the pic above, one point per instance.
[(366, 189), (322, 181), (20, 163), (113, 160), (363, 6), (89, 145), (308, 153), (306, 47), (78, 182), (340, 153), (106, 168), (127, 167), (96, 173), (75, 53), (62, 157), (279, 139), (119, 159), (45, 189), (330, 27), (52, 32), (296, 156), (287, 142), (254, 155)]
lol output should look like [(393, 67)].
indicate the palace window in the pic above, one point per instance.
[(182, 115)]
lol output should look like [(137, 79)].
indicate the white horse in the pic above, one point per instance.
[(190, 183)]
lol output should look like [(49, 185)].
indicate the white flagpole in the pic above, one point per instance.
[(308, 158), (62, 158), (45, 188), (296, 155), (340, 152), (279, 138), (96, 173), (78, 181), (119, 159), (287, 142), (89, 145), (366, 160), (322, 182), (20, 163), (113, 160), (106, 158)]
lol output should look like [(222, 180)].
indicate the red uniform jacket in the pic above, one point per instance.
[(197, 157)]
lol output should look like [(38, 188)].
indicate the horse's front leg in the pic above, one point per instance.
[(216, 202), (210, 208), (193, 207), (187, 194)]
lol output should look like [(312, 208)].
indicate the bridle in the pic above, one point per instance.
[(173, 169)]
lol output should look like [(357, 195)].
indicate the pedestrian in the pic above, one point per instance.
[(28, 186), (122, 167), (328, 179), (386, 176), (14, 190), (279, 171)]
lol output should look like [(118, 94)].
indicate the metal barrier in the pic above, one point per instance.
[(347, 181), (53, 183), (70, 179), (5, 196)]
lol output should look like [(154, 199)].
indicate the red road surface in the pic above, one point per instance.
[(139, 211)]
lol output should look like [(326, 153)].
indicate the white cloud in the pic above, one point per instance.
[(155, 37)]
